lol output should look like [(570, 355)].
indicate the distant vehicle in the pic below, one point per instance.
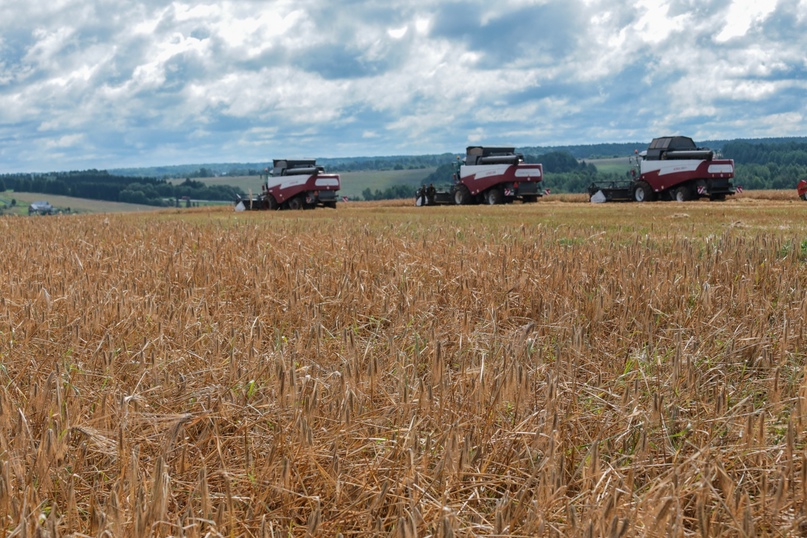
[(802, 189), (489, 175), (671, 168), (41, 208), (294, 184)]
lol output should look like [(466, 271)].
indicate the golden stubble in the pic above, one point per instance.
[(549, 369)]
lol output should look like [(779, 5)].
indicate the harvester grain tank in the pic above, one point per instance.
[(294, 184), (491, 175), (672, 168)]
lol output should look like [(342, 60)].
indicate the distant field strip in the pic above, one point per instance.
[(82, 205), (549, 369)]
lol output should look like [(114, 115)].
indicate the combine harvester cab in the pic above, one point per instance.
[(672, 168), (490, 175), (295, 184)]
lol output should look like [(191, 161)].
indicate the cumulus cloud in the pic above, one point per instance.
[(137, 83), (742, 14)]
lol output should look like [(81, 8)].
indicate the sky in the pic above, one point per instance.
[(128, 83)]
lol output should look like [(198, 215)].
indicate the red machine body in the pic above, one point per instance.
[(672, 168), (802, 189), (490, 175), (295, 184)]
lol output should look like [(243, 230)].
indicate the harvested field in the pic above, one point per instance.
[(549, 369)]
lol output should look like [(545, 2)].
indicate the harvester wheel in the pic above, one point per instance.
[(271, 202), (295, 203), (494, 196), (681, 194), (643, 192), (462, 196), (803, 196)]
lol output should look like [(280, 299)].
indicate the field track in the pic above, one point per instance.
[(550, 369)]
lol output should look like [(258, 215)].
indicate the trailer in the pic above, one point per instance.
[(672, 168), (490, 175), (294, 184)]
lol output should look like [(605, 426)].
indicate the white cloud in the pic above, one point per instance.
[(49, 45), (141, 81), (742, 14), (64, 141), (655, 25), (397, 33), (422, 24)]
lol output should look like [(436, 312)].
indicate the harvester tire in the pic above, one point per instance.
[(462, 196), (643, 192), (271, 203), (494, 196), (803, 196), (295, 203), (682, 194)]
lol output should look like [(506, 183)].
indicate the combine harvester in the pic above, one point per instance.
[(490, 175), (294, 184), (672, 168), (802, 189)]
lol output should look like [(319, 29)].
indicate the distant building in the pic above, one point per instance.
[(41, 208)]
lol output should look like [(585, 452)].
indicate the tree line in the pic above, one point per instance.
[(101, 185), (395, 192), (767, 165), (404, 162), (331, 164)]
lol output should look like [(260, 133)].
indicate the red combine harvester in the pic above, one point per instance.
[(491, 175), (672, 168), (294, 184), (802, 189)]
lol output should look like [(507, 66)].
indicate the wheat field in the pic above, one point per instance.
[(550, 369)]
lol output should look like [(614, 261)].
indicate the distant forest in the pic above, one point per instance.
[(770, 163), (101, 185), (349, 164)]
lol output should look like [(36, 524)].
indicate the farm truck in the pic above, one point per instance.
[(491, 175), (294, 184), (671, 168)]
